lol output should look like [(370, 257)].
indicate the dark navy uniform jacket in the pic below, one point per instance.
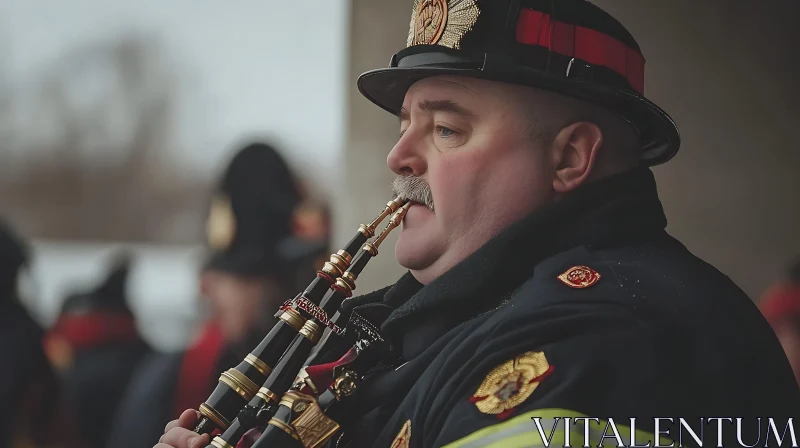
[(586, 309), (96, 383)]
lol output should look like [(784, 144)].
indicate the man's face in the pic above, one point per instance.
[(237, 303), (468, 140)]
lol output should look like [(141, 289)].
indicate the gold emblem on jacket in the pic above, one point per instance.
[(442, 22), (511, 383)]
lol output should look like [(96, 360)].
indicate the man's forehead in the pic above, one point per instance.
[(465, 91), (456, 94)]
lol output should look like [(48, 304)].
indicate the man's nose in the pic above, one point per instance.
[(407, 158)]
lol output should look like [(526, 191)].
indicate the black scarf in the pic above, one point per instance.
[(620, 208)]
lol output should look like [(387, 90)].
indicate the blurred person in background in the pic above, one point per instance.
[(95, 346), (264, 238), (32, 414), (781, 307)]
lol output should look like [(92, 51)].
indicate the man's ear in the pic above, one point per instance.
[(574, 152)]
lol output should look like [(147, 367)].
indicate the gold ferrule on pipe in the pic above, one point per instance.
[(347, 282), (268, 395), (331, 269), (312, 331), (296, 401), (368, 247), (344, 285), (293, 318), (260, 365), (288, 401), (240, 383), (284, 427), (337, 263), (350, 277), (212, 414), (397, 218), (391, 207), (218, 442), (341, 259)]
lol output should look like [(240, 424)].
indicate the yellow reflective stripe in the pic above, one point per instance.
[(501, 432), (522, 432)]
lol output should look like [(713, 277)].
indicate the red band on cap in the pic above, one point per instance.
[(594, 47)]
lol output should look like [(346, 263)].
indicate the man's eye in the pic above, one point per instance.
[(445, 132)]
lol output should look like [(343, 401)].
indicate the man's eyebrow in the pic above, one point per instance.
[(436, 106), (404, 114)]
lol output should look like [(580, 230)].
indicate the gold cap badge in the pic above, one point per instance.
[(221, 224), (579, 277), (511, 383), (403, 438), (442, 22)]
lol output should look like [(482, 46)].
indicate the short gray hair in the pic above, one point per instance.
[(549, 113)]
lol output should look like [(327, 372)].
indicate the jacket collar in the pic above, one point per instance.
[(620, 207)]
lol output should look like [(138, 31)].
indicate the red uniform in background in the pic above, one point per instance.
[(781, 306), (95, 345)]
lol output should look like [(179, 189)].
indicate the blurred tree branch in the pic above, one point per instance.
[(89, 158)]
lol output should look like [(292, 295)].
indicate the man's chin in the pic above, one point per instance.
[(414, 251)]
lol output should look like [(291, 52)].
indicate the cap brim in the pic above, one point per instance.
[(660, 139)]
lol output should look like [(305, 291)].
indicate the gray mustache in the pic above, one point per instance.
[(413, 189)]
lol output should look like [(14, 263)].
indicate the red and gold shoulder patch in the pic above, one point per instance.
[(511, 383), (579, 277), (403, 438)]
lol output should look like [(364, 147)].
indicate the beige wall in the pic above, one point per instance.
[(724, 70), (378, 29)]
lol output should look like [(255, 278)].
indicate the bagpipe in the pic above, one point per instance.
[(280, 387)]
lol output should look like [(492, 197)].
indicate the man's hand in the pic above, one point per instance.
[(178, 435)]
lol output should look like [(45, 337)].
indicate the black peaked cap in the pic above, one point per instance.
[(570, 47)]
